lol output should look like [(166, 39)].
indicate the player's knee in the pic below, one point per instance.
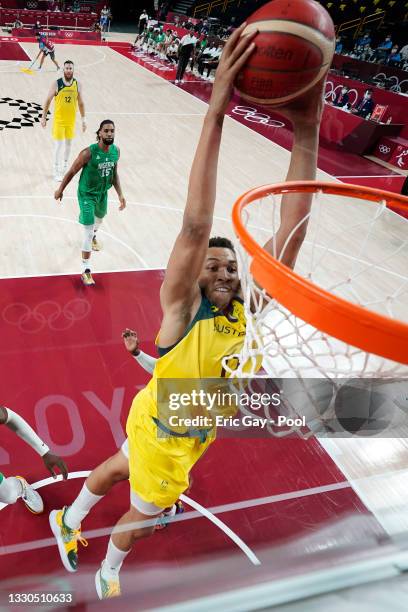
[(117, 468), (142, 532), (143, 525)]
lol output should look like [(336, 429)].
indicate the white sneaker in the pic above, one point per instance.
[(107, 585), (32, 500)]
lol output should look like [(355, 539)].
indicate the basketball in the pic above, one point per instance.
[(294, 49)]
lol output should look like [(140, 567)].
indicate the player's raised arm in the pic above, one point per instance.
[(47, 104), (186, 260), (305, 115), (82, 159)]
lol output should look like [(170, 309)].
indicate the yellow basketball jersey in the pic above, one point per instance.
[(210, 337), (66, 101), (159, 467)]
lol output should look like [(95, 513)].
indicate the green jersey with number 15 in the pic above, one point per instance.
[(97, 175)]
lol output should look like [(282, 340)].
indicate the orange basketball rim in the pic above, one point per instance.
[(335, 316)]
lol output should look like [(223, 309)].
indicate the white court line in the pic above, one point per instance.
[(231, 507), (228, 532), (104, 232), (180, 211), (200, 510), (75, 273), (154, 114), (369, 175)]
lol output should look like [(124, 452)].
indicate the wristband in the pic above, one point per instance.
[(146, 361)]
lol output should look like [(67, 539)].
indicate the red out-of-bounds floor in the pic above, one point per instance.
[(12, 50), (65, 370), (347, 167)]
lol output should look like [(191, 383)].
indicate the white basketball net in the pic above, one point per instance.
[(355, 249)]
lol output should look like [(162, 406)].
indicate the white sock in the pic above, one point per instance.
[(80, 508), (67, 151), (114, 559), (86, 264), (97, 224), (57, 154), (10, 490)]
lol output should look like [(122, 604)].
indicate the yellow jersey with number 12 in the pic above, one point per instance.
[(66, 102)]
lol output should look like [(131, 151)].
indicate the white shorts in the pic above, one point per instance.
[(137, 502)]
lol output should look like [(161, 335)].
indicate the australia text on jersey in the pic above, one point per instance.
[(226, 329)]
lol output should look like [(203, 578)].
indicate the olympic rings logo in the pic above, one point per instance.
[(32, 4), (252, 115), (47, 313), (331, 92), (384, 149), (69, 34)]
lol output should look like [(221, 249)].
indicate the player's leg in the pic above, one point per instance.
[(66, 523), (34, 61), (140, 521), (16, 487), (52, 56), (69, 135), (143, 516), (101, 209), (87, 220), (42, 60), (58, 134), (96, 245)]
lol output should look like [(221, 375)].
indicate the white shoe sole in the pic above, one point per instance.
[(61, 548), (98, 583), (40, 508)]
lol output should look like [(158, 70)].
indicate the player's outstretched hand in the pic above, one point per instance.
[(122, 204), (131, 340), (308, 109), (52, 461), (235, 54), (58, 195)]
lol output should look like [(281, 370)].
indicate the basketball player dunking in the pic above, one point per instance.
[(67, 95), (200, 297)]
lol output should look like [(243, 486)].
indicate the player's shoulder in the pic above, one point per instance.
[(60, 84), (86, 154)]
